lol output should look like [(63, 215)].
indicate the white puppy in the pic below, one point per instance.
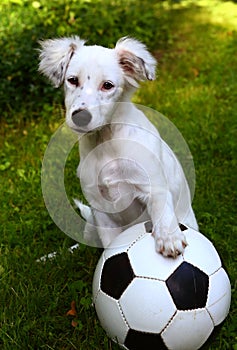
[(127, 173)]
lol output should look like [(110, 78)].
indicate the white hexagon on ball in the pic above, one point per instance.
[(150, 313), (198, 327)]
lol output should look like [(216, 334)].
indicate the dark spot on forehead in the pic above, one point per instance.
[(88, 77), (82, 87)]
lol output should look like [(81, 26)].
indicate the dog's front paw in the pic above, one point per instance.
[(170, 244)]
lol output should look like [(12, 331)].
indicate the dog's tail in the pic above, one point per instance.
[(85, 211), (90, 236)]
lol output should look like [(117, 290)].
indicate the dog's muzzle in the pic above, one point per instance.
[(81, 117)]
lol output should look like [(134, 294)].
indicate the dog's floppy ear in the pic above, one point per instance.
[(55, 55), (137, 63)]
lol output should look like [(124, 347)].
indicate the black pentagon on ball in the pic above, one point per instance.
[(116, 275), (148, 226), (136, 340), (188, 287)]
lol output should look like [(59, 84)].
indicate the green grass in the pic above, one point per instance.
[(197, 90)]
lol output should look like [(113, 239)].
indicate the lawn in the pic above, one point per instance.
[(195, 43)]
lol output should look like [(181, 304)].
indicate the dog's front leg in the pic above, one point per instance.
[(169, 239)]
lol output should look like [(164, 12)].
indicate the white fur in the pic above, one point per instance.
[(127, 173)]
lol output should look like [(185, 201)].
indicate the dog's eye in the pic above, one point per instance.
[(107, 85), (73, 81)]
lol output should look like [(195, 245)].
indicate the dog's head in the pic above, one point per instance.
[(95, 77)]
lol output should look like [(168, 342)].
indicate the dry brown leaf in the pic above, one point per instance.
[(73, 311), (74, 323)]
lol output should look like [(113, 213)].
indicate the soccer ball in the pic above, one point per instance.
[(146, 301)]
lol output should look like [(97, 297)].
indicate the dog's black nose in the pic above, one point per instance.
[(81, 117)]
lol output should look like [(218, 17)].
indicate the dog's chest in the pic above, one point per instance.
[(106, 176), (102, 163), (110, 167)]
